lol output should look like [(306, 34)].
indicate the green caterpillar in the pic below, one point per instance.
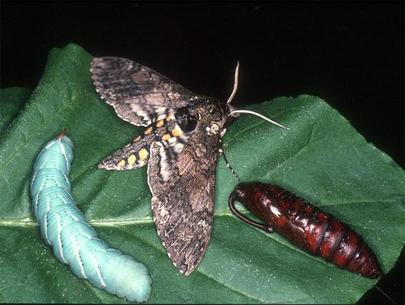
[(74, 241)]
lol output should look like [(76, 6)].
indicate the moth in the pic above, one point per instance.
[(74, 241), (180, 146)]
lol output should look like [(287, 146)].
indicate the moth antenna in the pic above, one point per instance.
[(258, 115), (235, 88), (235, 83)]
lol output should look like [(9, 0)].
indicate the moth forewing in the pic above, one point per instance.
[(137, 93)]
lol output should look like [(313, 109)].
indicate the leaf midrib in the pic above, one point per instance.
[(28, 222)]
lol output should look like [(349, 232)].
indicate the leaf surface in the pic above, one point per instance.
[(11, 102)]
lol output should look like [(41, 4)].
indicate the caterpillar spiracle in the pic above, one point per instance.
[(74, 241)]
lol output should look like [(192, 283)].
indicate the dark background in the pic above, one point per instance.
[(350, 54)]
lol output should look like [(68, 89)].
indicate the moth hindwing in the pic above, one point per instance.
[(180, 145)]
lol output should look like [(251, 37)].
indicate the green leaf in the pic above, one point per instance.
[(321, 158), (11, 102)]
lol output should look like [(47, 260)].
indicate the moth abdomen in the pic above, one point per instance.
[(306, 226)]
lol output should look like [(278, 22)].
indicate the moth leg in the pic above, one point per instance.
[(222, 151)]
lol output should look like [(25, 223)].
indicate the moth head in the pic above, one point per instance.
[(204, 113), (215, 116)]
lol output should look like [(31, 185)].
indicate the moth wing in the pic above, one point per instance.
[(137, 93), (183, 190)]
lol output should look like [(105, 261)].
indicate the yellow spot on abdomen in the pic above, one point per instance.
[(177, 132), (143, 154), (159, 123), (148, 130), (170, 117), (131, 160), (121, 164), (166, 137)]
